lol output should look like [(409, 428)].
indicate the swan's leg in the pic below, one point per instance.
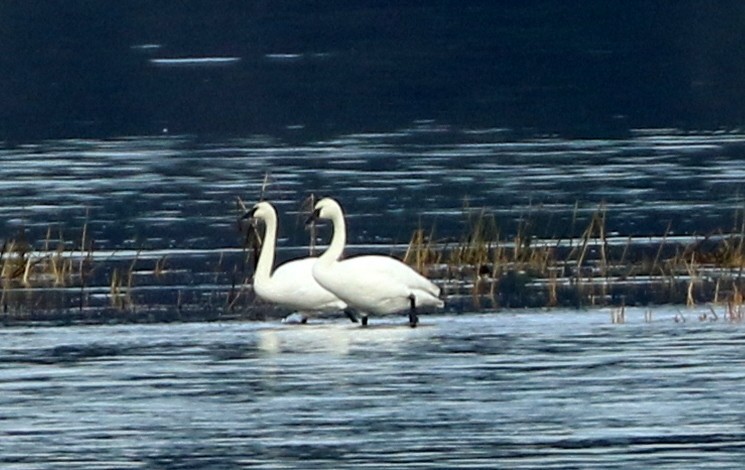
[(364, 319), (413, 319), (296, 318), (351, 315)]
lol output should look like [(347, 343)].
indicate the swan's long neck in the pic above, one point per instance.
[(338, 239), (266, 257)]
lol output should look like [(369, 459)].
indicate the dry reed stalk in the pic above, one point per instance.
[(4, 298), (659, 249), (735, 305), (420, 254), (232, 296), (129, 301), (218, 267), (436, 255), (27, 272), (308, 206), (553, 298), (14, 261), (415, 244), (83, 241), (114, 289), (600, 222), (573, 228), (160, 267), (691, 268), (625, 251), (59, 266), (586, 235)]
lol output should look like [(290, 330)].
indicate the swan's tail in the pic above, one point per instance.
[(429, 299)]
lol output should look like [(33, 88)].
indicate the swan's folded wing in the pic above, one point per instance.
[(396, 270)]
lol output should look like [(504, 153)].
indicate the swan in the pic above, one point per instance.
[(369, 283), (292, 284)]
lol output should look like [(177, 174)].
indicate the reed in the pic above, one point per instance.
[(115, 296), (307, 207), (420, 252), (485, 266)]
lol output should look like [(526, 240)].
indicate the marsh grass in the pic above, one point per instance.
[(487, 267), (589, 269)]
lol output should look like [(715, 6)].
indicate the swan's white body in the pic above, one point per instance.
[(292, 284), (369, 283)]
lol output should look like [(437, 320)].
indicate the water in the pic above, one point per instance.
[(517, 390), (173, 199), (180, 192), (137, 127), (329, 68)]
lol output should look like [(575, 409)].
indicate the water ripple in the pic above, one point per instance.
[(549, 390)]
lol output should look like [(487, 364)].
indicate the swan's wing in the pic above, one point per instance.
[(367, 289), (294, 282), (392, 268)]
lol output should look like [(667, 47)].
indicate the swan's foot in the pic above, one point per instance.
[(364, 320), (351, 315), (413, 318)]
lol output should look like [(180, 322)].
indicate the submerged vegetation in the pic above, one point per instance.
[(63, 279)]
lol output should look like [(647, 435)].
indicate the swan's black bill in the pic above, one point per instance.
[(313, 217), (249, 214)]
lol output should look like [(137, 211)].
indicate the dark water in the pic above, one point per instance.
[(327, 68), (528, 390)]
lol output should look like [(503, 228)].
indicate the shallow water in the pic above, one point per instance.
[(563, 389)]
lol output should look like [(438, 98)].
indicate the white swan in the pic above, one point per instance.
[(291, 285), (369, 283)]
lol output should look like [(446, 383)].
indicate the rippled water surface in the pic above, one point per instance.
[(140, 201), (563, 389), (530, 390), (180, 192)]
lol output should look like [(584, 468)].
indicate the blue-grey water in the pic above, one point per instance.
[(135, 127), (512, 390), (174, 199), (180, 192)]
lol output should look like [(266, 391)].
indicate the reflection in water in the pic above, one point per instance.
[(341, 338)]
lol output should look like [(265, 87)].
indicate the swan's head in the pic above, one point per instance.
[(261, 211), (326, 208)]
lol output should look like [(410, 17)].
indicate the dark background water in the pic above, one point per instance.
[(305, 68)]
